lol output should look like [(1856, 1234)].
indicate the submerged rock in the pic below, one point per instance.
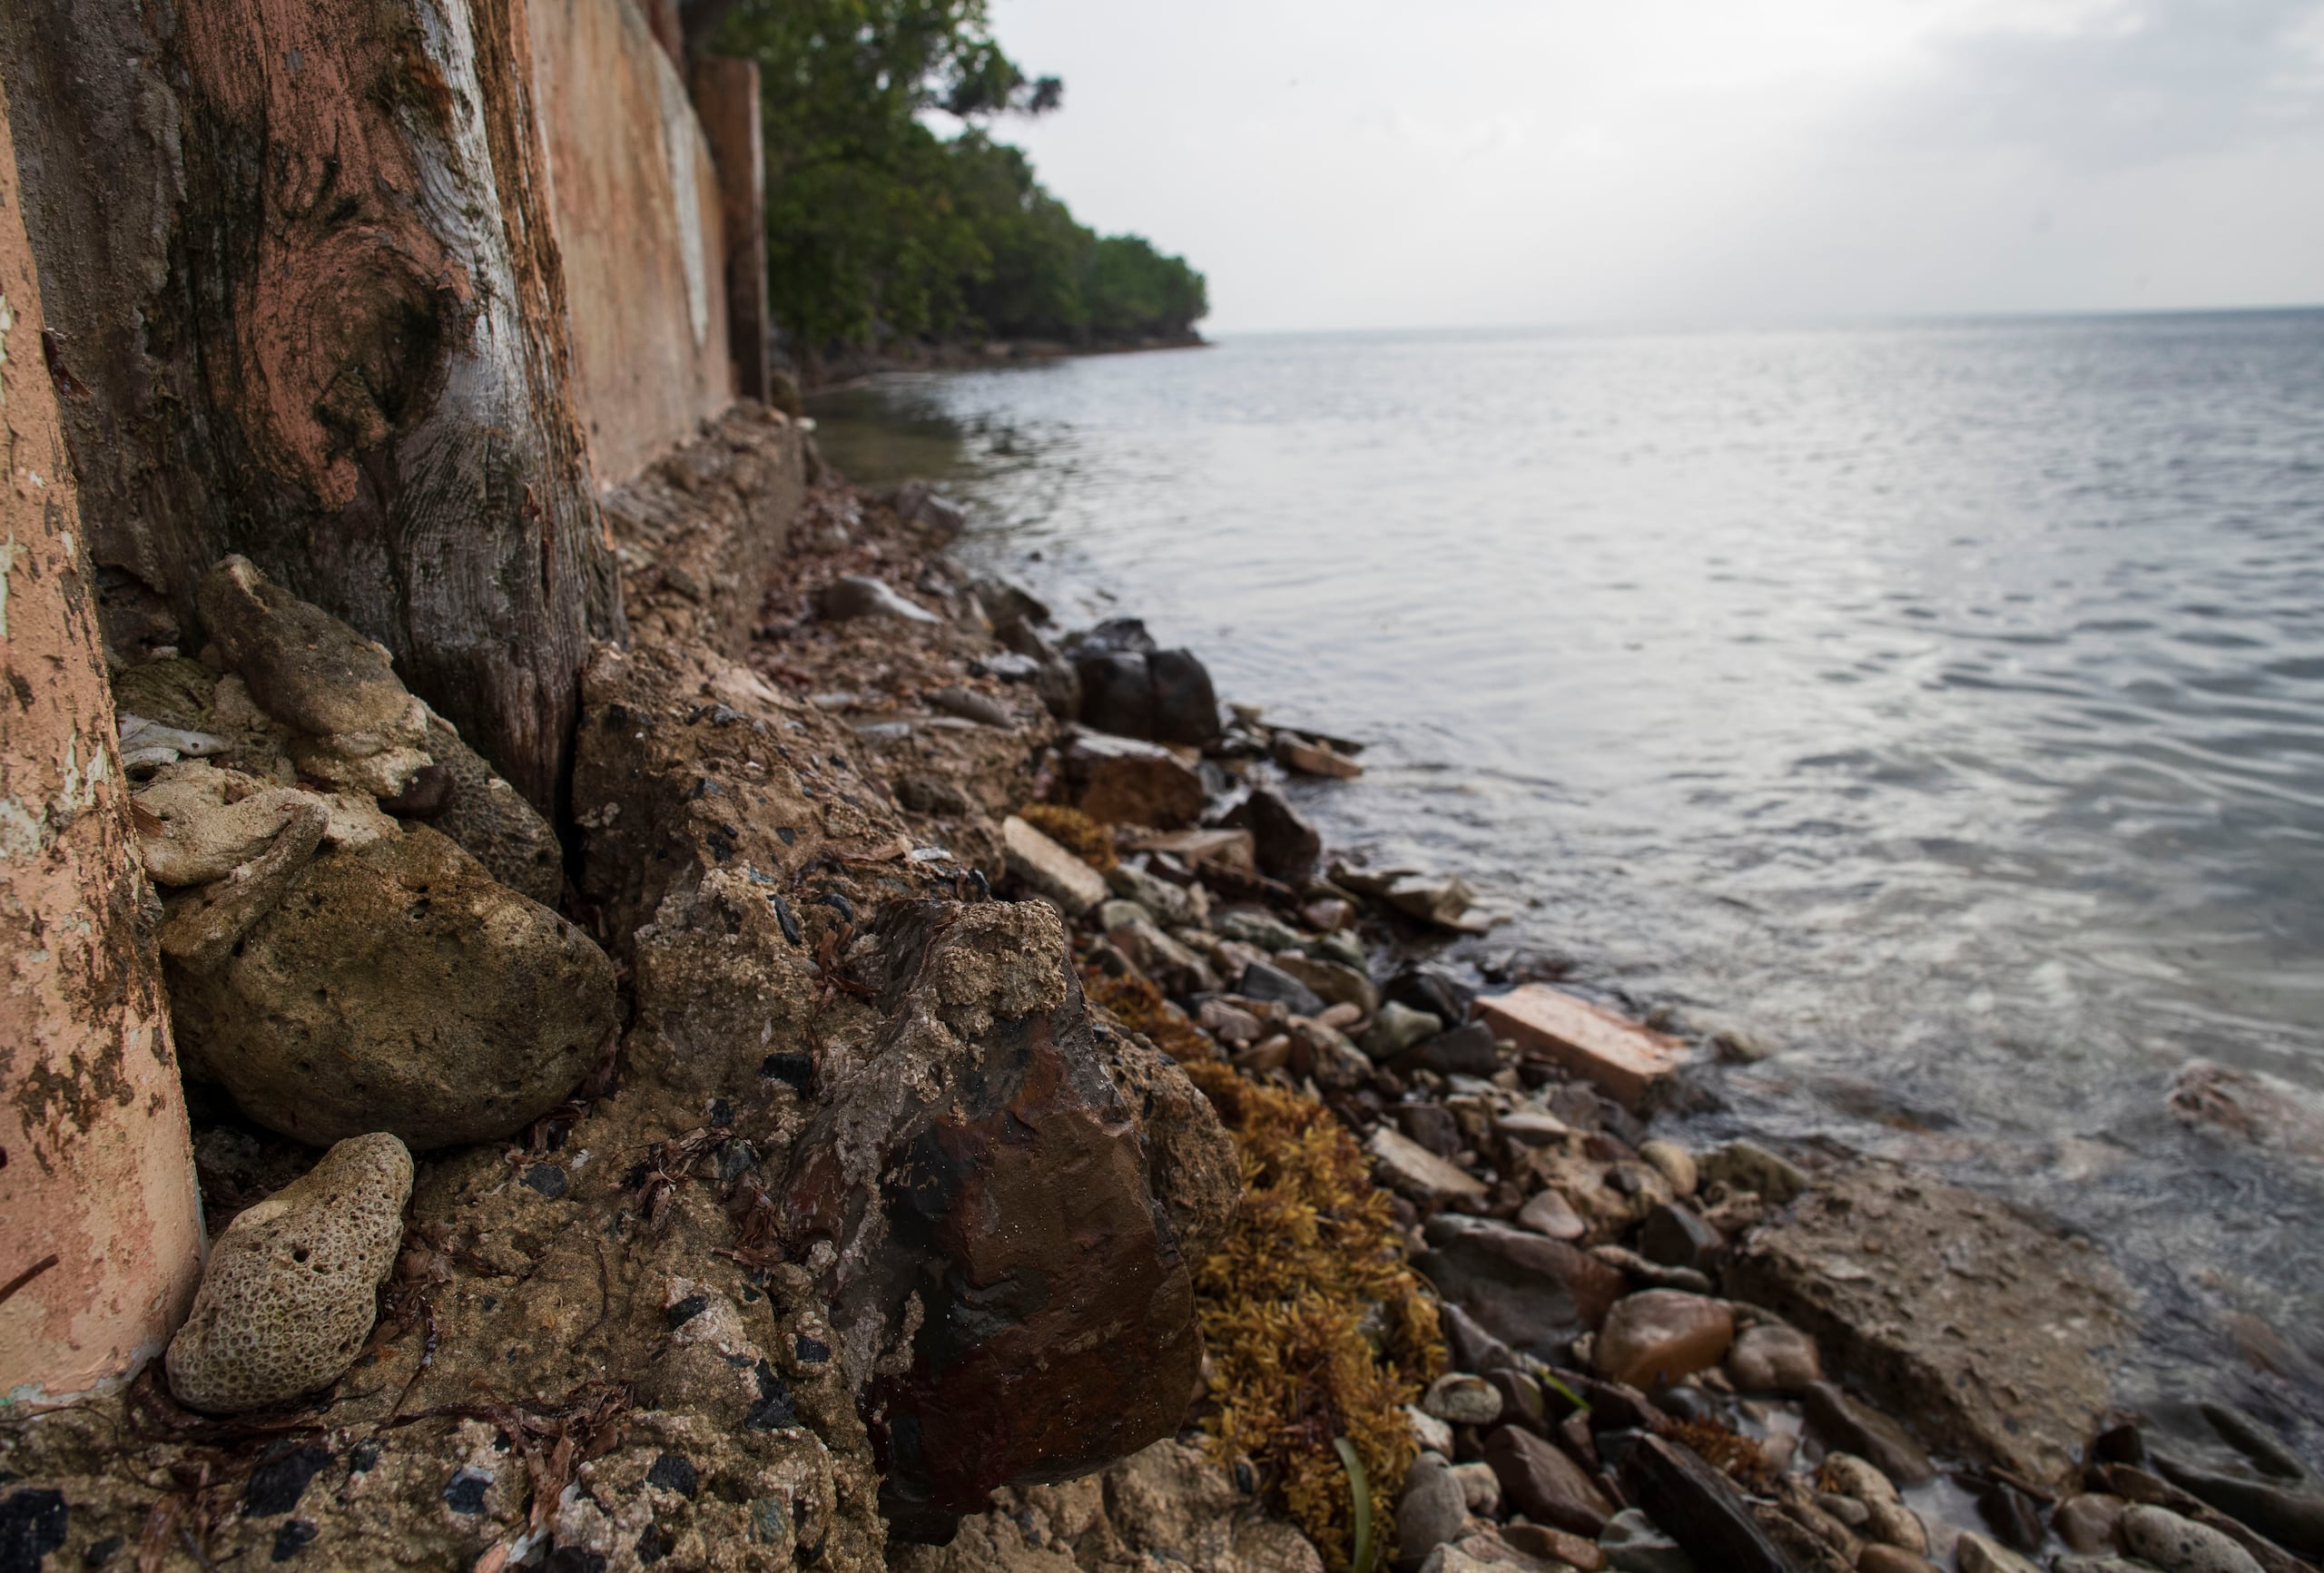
[(289, 1292), (399, 987), (1001, 1207)]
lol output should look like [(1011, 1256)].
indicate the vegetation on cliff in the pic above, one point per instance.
[(881, 228)]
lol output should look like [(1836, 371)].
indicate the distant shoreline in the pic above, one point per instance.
[(840, 371)]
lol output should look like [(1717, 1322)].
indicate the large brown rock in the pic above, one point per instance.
[(1121, 780), (2043, 1314), (398, 988), (1660, 1336), (1001, 1205)]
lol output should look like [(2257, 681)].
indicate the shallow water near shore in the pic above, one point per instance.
[(1943, 702)]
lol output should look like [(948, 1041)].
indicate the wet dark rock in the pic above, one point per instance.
[(1115, 635), (1472, 1347), (1286, 846), (1117, 693), (1464, 1051), (1427, 986), (1432, 1125), (1262, 980), (1030, 1244), (1534, 1293), (1676, 1236), (1856, 1428), (1520, 1397), (1540, 1481), (1185, 705), (2013, 1516), (1699, 1509)]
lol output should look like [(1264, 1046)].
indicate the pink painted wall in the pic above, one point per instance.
[(99, 1222), (639, 222)]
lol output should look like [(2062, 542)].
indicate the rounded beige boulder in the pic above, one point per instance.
[(399, 987), (292, 1288)]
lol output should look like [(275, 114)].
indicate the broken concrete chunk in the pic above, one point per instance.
[(289, 1292), (1048, 869), (1624, 1059)]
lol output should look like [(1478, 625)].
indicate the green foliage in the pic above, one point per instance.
[(878, 228)]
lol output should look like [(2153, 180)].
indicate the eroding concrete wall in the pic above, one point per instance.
[(640, 223), (100, 1225)]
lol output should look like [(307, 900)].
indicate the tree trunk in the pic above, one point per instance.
[(102, 1235), (307, 306)]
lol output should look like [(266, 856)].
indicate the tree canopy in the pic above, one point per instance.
[(880, 228)]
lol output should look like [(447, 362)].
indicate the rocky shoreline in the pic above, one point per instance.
[(888, 912)]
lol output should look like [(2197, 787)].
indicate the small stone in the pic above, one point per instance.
[(1313, 759), (1332, 982), (1396, 1029), (1520, 1396), (2178, 1544), (1633, 1545), (1228, 1023), (853, 595), (1649, 1274), (1415, 1170), (1886, 1518), (1172, 905), (1178, 970), (1530, 1128), (1432, 1125), (1772, 1358), (1434, 1509), (1676, 1236), (968, 705), (1877, 1558), (1847, 1509), (2014, 1515), (289, 1292), (1554, 1546), (1675, 1164), (1540, 1481), (1979, 1555), (1662, 1335), (2091, 1523), (1480, 1487), (1548, 1213), (1859, 1429), (1433, 1435), (1264, 980), (1042, 866), (1285, 844), (1463, 1399), (1443, 899), (1747, 1167), (1464, 1051)]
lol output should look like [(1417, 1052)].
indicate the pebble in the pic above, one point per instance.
[(1334, 982), (1432, 1434), (855, 596), (1751, 1167), (289, 1292), (1633, 1545), (1396, 1029), (1676, 1236), (1548, 1213), (1171, 904), (1662, 1335), (1540, 1481), (1264, 980), (1554, 1546), (1480, 1487), (1867, 1432), (2091, 1523), (1979, 1555), (1675, 1164), (1530, 1128), (1432, 1510), (1876, 1558), (1770, 1358), (1417, 1171), (1886, 1518), (1464, 1399), (2178, 1544)]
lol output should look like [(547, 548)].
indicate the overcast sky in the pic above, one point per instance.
[(1492, 163)]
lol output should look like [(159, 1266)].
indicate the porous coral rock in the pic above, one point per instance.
[(287, 1298), (398, 986)]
